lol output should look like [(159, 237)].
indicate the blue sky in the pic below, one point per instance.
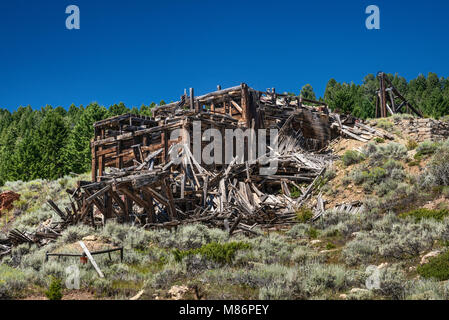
[(139, 51)]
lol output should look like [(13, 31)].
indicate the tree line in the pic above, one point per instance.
[(52, 142)]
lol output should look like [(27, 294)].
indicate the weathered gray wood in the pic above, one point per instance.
[(91, 259)]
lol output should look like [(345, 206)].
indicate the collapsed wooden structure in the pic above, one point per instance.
[(120, 141), (390, 101), (134, 178)]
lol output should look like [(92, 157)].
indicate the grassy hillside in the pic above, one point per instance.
[(403, 185)]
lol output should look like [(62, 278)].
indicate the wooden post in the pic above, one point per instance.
[(383, 102), (101, 158), (164, 139), (151, 213), (197, 107), (91, 259), (192, 99), (245, 104), (171, 205), (128, 206), (393, 106), (94, 162), (108, 206)]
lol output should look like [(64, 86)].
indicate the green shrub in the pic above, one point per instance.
[(439, 166), (54, 292), (394, 238), (385, 124), (385, 187), (302, 255), (392, 282), (295, 192), (302, 230), (414, 163), (12, 281), (437, 267), (187, 237), (272, 248), (376, 174), (426, 148), (378, 154), (426, 289), (423, 213), (379, 140), (304, 215), (313, 233), (369, 176), (445, 192), (330, 246), (329, 175), (411, 144), (391, 164), (299, 230), (352, 157), (220, 253)]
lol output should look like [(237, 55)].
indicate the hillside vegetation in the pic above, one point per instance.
[(404, 187)]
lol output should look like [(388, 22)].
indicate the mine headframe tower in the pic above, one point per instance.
[(387, 97)]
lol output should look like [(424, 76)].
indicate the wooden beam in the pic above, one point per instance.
[(236, 105), (91, 259), (192, 98)]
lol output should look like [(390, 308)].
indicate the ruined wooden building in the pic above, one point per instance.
[(135, 178), (122, 141)]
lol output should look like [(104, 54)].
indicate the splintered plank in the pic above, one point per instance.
[(119, 201), (171, 204), (57, 210), (98, 193), (91, 259), (353, 135)]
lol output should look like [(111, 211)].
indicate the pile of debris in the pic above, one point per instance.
[(237, 198), (46, 232)]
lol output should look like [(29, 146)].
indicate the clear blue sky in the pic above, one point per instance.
[(138, 51)]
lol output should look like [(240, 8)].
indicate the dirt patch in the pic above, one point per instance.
[(437, 204), (344, 194), (347, 144), (92, 243), (6, 200)]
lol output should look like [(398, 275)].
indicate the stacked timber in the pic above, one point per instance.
[(351, 127)]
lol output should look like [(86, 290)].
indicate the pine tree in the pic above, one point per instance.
[(77, 152), (117, 110), (27, 159), (307, 92), (52, 137)]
